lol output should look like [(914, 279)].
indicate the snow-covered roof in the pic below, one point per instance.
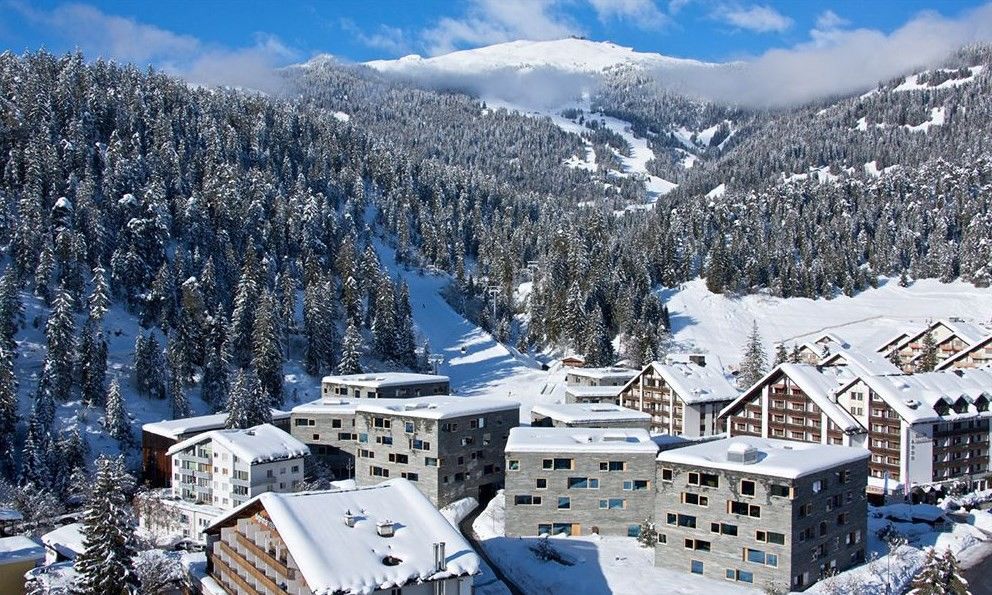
[(611, 373), (774, 458), (818, 384), (9, 514), (20, 548), (694, 383), (177, 428), (576, 440), (259, 444), (861, 362), (966, 331), (67, 540), (333, 406), (964, 353), (384, 379), (593, 391), (437, 407), (312, 523), (589, 412), (913, 396)]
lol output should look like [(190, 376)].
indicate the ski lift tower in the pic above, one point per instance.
[(435, 360), (493, 291)]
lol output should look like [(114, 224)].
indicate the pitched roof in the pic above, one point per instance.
[(692, 382), (335, 558), (949, 362), (259, 444), (913, 396), (860, 361), (176, 428), (966, 331)]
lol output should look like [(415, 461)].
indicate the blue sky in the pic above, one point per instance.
[(359, 30)]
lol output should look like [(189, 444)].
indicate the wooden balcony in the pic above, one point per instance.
[(248, 567)]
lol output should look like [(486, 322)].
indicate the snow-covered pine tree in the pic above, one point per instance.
[(599, 347), (267, 348), (187, 345), (92, 363), (239, 334), (8, 411), (406, 342), (575, 318), (11, 309), (149, 367), (214, 385), (928, 357), (247, 403), (384, 318), (176, 388), (105, 565), (781, 354), (930, 579), (648, 535), (753, 363), (56, 375), (318, 327), (99, 298), (34, 461), (351, 351), (116, 420)]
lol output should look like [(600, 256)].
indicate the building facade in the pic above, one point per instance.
[(596, 385), (383, 385), (766, 513), (449, 447), (578, 481), (950, 336), (684, 398), (588, 415), (327, 427)]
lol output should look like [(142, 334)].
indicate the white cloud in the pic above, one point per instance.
[(495, 21), (829, 19), (641, 13), (760, 19), (391, 40)]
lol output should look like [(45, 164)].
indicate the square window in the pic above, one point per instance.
[(564, 503), (513, 465), (747, 487), (541, 483), (696, 567)]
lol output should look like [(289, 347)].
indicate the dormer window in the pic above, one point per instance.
[(941, 407), (961, 406), (981, 403)]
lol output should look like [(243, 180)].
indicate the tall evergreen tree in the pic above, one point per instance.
[(99, 299), (34, 462), (753, 363), (599, 348), (267, 348), (384, 321), (319, 327), (56, 375), (149, 367), (351, 351), (105, 565), (781, 354), (116, 421), (406, 342), (92, 363), (214, 385), (11, 309), (8, 412), (928, 357), (247, 403)]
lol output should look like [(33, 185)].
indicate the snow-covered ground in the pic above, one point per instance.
[(719, 325)]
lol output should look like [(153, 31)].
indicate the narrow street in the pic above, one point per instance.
[(466, 528)]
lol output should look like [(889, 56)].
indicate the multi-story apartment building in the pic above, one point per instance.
[(921, 429), (684, 398), (588, 415), (774, 514), (950, 336), (596, 385), (977, 356), (578, 481), (327, 427), (385, 539), (158, 437), (383, 385), (449, 447), (226, 468)]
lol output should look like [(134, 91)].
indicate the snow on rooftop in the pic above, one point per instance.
[(67, 540), (259, 444), (338, 406), (966, 331), (589, 412), (860, 361), (312, 524), (575, 440), (177, 428), (437, 407), (594, 391), (384, 379), (9, 514), (19, 548), (914, 396), (603, 373), (696, 383), (771, 457)]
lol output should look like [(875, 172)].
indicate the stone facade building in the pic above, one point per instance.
[(578, 481), (773, 514), (588, 415), (449, 447), (383, 385), (327, 427)]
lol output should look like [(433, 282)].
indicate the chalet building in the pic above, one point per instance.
[(578, 481), (588, 415), (814, 350), (596, 385), (327, 427), (921, 429), (449, 447), (386, 539), (684, 398), (951, 336), (384, 385), (772, 514), (858, 361), (158, 437), (978, 355)]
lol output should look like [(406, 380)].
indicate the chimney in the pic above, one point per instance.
[(698, 359), (349, 519), (385, 528), (440, 563)]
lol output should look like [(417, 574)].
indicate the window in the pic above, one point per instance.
[(431, 462), (526, 500), (695, 567), (335, 423), (778, 490), (583, 483), (408, 427), (805, 510), (378, 471), (557, 464), (723, 528), (697, 544), (818, 486), (685, 520), (670, 518), (410, 476), (345, 436), (704, 479), (739, 575), (541, 483), (747, 487), (666, 475), (760, 557), (381, 422), (302, 421), (633, 530), (387, 440), (744, 509), (695, 499), (770, 537), (636, 484), (398, 458), (513, 465), (613, 504), (612, 466)]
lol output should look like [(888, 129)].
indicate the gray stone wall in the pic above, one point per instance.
[(331, 438), (584, 514), (787, 516), (461, 458), (330, 390)]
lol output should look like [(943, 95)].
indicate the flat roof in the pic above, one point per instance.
[(589, 412), (603, 373), (384, 379), (176, 428), (776, 458), (576, 440), (19, 549), (318, 406), (437, 407), (594, 391)]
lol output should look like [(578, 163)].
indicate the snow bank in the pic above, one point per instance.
[(457, 511)]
